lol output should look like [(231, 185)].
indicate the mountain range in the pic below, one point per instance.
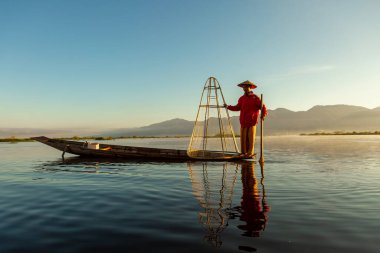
[(328, 118), (280, 121)]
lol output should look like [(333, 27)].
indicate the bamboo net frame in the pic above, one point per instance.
[(213, 136)]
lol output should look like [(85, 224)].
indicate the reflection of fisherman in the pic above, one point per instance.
[(249, 106), (253, 211)]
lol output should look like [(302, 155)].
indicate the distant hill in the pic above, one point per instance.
[(323, 118), (280, 121), (328, 118), (173, 127)]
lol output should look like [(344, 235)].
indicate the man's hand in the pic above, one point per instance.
[(225, 105)]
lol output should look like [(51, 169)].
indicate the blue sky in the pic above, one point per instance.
[(112, 64)]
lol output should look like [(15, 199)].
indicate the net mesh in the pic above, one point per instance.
[(213, 136)]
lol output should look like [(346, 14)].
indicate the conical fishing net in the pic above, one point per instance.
[(213, 136)]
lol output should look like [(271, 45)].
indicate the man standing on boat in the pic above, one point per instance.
[(249, 106)]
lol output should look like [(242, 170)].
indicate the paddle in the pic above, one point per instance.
[(262, 132)]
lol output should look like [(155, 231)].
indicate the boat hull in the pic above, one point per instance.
[(119, 151)]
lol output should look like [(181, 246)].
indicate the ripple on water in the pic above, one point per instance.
[(317, 195)]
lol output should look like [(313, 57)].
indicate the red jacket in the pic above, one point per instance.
[(249, 107)]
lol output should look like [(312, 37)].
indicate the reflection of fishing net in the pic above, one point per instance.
[(213, 136), (213, 186)]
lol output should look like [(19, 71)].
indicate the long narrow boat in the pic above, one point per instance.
[(119, 151)]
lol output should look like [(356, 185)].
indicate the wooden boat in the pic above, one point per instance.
[(130, 152)]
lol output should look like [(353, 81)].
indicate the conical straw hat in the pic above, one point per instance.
[(247, 83)]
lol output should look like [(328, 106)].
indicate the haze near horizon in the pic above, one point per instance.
[(109, 64)]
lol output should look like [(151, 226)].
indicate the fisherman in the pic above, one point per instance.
[(249, 106)]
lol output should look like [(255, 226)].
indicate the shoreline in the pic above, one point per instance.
[(78, 138), (14, 139), (341, 133)]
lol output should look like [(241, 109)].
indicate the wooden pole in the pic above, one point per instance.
[(262, 132)]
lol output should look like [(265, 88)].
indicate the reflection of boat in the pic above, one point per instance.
[(214, 191), (90, 164), (80, 164), (118, 151)]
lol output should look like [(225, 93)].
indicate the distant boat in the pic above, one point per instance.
[(119, 151)]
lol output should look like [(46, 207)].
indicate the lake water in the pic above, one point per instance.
[(314, 194)]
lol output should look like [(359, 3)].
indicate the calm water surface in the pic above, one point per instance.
[(314, 194)]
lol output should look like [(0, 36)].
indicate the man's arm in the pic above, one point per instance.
[(234, 107)]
